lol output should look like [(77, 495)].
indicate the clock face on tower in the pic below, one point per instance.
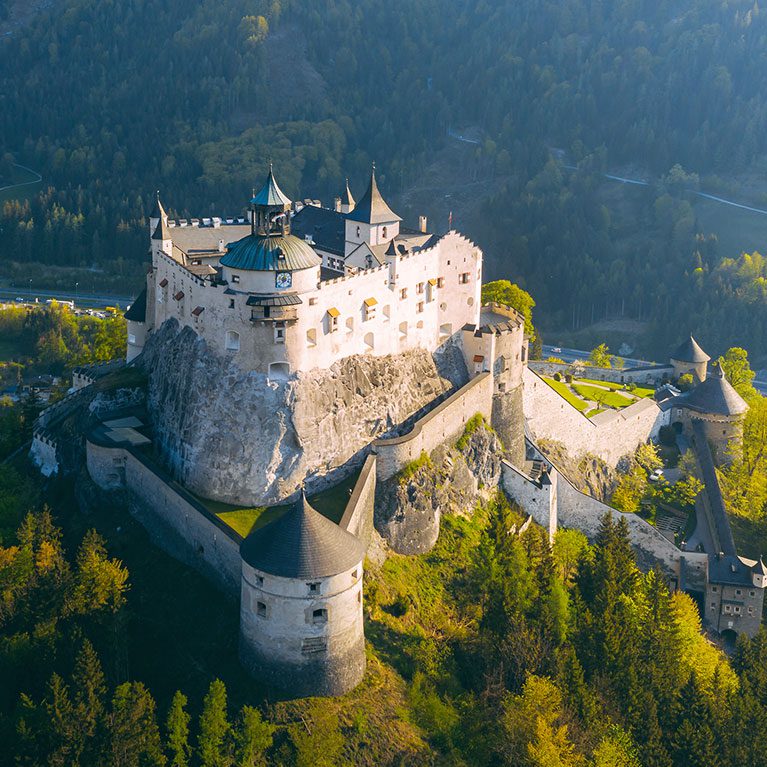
[(283, 280)]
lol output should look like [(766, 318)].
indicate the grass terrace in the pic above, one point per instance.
[(331, 503), (592, 397)]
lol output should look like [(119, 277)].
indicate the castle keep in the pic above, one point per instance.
[(297, 347)]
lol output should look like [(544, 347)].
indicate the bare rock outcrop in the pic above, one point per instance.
[(237, 437)]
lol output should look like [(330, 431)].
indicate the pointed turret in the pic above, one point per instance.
[(372, 208), (347, 200), (688, 357), (270, 209), (392, 249), (158, 213), (162, 230)]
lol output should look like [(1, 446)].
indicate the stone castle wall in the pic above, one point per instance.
[(609, 435), (641, 376), (358, 514), (446, 422), (175, 520)]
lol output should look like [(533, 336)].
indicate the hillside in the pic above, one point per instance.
[(111, 101)]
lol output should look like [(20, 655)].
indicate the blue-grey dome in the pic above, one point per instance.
[(277, 253)]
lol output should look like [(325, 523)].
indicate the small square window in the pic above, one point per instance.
[(260, 580), (419, 288), (319, 616), (231, 303), (752, 593), (440, 282), (464, 278), (313, 588), (737, 610), (261, 609), (714, 589), (738, 592), (750, 610), (235, 278), (403, 293), (312, 302)]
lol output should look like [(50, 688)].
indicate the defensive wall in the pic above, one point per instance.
[(650, 375), (609, 435), (176, 521), (574, 509), (447, 421), (358, 514)]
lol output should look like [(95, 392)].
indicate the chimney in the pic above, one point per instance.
[(422, 223), (337, 204)]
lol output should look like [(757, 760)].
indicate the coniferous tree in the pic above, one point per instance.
[(134, 734), (253, 736), (214, 742), (177, 731), (89, 690)]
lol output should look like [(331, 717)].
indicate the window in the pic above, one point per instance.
[(279, 332), (419, 288), (260, 580), (420, 306), (354, 575), (713, 605), (131, 338), (714, 589), (261, 609), (402, 331), (358, 232), (738, 592), (727, 608), (231, 303), (311, 338), (369, 342), (314, 588), (350, 324), (319, 617), (235, 278), (440, 282), (232, 341), (464, 278), (279, 371), (750, 610), (312, 302), (752, 593), (403, 293), (383, 232), (737, 610)]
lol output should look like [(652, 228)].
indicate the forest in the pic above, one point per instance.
[(493, 649), (200, 99)]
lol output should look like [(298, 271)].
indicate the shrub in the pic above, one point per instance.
[(423, 460), (557, 376)]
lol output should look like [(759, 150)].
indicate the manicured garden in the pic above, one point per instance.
[(592, 397)]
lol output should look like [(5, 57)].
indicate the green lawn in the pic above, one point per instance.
[(564, 391), (595, 411), (242, 521), (602, 397), (639, 391)]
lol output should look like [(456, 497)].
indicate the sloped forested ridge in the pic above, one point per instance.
[(112, 100)]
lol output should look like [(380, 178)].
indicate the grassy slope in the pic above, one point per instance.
[(602, 396), (564, 391)]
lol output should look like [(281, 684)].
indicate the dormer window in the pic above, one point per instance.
[(333, 315)]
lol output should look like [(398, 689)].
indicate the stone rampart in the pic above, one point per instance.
[(176, 521), (447, 421), (609, 435), (358, 515), (649, 376)]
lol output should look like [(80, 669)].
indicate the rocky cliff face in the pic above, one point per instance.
[(408, 512), (235, 436)]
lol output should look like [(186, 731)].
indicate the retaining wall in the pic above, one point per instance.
[(175, 520), (609, 435), (447, 421), (649, 375)]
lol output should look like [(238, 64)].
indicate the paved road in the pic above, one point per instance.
[(25, 183), (9, 295)]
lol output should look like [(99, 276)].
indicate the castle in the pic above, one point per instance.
[(300, 345)]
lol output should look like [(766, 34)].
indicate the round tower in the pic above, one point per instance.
[(719, 408), (690, 358), (301, 626)]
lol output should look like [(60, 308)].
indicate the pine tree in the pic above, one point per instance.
[(134, 734), (89, 691), (253, 737), (177, 728), (214, 743), (692, 739), (65, 741)]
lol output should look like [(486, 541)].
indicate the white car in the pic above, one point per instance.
[(657, 475), (556, 349)]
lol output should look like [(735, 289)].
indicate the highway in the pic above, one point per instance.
[(87, 300)]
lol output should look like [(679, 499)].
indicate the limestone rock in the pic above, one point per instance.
[(237, 437)]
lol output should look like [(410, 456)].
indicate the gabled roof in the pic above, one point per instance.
[(690, 351), (716, 395), (325, 227), (301, 543), (270, 193), (137, 310), (162, 230), (346, 197), (372, 208)]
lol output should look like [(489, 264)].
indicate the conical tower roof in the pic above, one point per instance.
[(392, 249), (302, 544), (158, 211), (716, 395), (162, 230), (346, 197), (690, 351), (372, 208), (270, 193)]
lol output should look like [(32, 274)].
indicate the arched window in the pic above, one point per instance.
[(383, 232), (232, 341), (358, 232)]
